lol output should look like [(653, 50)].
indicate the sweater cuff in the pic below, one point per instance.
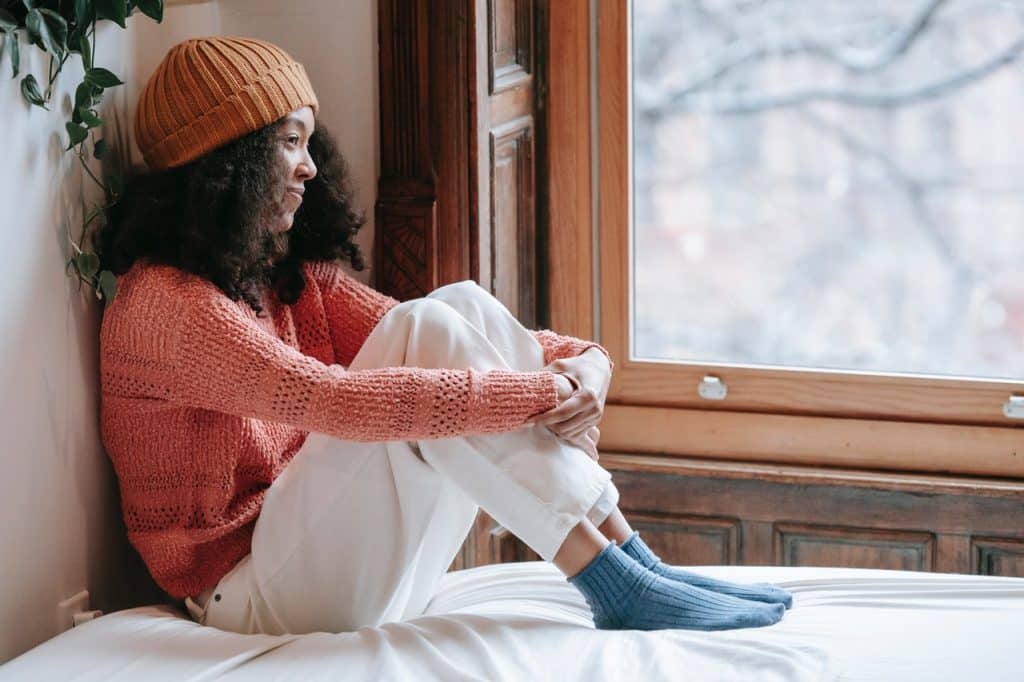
[(505, 400)]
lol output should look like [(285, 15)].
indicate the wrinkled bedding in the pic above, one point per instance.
[(525, 622)]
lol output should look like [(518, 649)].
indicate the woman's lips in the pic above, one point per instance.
[(295, 196)]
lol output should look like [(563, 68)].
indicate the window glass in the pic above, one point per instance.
[(829, 184)]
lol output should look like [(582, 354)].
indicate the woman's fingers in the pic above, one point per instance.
[(565, 410), (582, 401)]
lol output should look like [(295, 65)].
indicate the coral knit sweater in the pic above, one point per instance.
[(204, 403)]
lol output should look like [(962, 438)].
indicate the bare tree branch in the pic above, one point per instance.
[(855, 98), (853, 60), (912, 186)]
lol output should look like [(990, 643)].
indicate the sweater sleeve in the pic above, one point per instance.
[(222, 360), (352, 308), (557, 346)]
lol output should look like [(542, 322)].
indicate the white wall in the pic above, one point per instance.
[(60, 530)]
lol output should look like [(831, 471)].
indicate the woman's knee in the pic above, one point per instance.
[(430, 316), (471, 300)]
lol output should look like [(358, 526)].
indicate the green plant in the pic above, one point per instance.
[(62, 28)]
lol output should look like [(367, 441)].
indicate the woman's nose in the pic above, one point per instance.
[(306, 169)]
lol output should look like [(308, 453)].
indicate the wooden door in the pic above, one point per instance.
[(506, 138)]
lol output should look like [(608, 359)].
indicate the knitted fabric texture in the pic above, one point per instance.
[(210, 91), (204, 404)]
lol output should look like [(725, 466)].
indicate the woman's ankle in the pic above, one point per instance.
[(615, 527), (581, 545)]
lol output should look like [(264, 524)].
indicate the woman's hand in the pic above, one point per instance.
[(578, 413)]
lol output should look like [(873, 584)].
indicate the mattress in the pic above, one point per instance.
[(525, 622)]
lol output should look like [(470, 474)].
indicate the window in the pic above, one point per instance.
[(829, 184), (788, 203)]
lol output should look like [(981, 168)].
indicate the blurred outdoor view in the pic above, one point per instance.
[(830, 183)]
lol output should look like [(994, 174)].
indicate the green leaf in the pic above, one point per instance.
[(102, 78), (76, 132), (99, 149), (87, 95), (83, 12), (29, 4), (48, 30), (30, 91), (115, 10), (154, 9), (90, 119), (15, 53), (7, 21), (88, 264), (107, 285), (85, 49)]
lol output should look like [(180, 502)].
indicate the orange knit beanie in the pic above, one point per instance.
[(210, 91)]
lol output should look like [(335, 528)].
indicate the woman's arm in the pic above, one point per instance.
[(352, 308), (194, 347), (560, 347)]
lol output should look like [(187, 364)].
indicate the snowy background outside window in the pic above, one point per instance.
[(830, 183)]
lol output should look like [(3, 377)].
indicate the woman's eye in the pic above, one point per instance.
[(293, 139)]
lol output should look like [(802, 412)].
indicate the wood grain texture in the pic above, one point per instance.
[(506, 120), (694, 540), (997, 556), (570, 244), (802, 544), (831, 517), (863, 443)]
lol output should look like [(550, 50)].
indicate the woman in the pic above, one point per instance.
[(297, 452)]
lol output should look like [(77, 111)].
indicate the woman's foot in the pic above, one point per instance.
[(624, 595), (642, 554)]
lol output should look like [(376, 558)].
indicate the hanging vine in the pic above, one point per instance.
[(62, 28)]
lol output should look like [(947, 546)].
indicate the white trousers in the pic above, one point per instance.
[(358, 534)]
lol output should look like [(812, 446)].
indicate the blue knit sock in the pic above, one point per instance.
[(763, 592), (623, 595)]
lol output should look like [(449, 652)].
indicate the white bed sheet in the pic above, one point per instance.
[(524, 622)]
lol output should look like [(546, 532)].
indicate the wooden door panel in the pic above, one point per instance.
[(509, 43), (506, 112), (998, 556), (811, 545), (690, 540), (513, 218)]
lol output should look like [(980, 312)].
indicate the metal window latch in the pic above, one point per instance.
[(713, 388), (1014, 407)]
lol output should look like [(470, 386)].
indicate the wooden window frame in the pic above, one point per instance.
[(813, 417)]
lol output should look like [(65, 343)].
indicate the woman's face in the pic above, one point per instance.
[(293, 138)]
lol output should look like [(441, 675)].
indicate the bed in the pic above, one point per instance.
[(524, 622)]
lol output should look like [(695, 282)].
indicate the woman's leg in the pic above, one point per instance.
[(622, 592), (494, 321), (522, 352), (355, 534)]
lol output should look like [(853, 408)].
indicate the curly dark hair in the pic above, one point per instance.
[(210, 218)]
